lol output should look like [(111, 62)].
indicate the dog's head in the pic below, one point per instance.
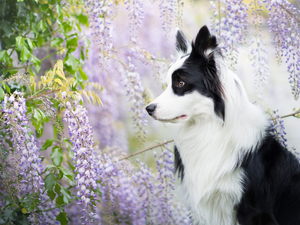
[(194, 86)]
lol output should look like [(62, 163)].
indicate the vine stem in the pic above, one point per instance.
[(49, 92), (147, 149), (291, 114)]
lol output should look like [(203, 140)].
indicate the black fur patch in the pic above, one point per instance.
[(199, 72), (178, 166), (181, 42), (271, 187)]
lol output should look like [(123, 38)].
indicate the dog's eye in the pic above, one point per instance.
[(180, 84)]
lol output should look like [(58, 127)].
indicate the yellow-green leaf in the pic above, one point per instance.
[(58, 81)]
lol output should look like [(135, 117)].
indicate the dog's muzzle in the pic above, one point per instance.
[(150, 109)]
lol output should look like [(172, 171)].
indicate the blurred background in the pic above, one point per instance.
[(276, 92), (115, 125)]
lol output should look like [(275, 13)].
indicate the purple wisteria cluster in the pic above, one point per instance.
[(138, 195), (14, 108), (135, 14), (101, 15), (167, 13), (278, 129), (26, 158), (135, 92), (284, 23), (165, 186), (258, 53), (229, 23), (81, 136)]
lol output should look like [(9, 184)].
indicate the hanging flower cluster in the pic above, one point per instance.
[(258, 53), (135, 92), (26, 155), (81, 135), (167, 12), (135, 15), (14, 108), (102, 14), (165, 187), (278, 129), (284, 23), (139, 196), (229, 22)]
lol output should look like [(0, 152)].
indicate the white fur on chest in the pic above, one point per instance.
[(211, 185)]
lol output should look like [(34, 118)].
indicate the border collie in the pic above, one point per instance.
[(233, 170)]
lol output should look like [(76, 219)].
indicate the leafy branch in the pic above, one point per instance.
[(42, 95)]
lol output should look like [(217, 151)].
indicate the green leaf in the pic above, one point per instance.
[(1, 93), (25, 54), (71, 153), (57, 189), (67, 174), (66, 195), (47, 144), (40, 41), (56, 155), (59, 9), (21, 8), (51, 194), (23, 220), (72, 42), (83, 19), (36, 115), (6, 27), (60, 200), (6, 87), (4, 57), (65, 171), (62, 218), (87, 42), (50, 181), (4, 8), (36, 62), (30, 44), (67, 27), (56, 41), (19, 41), (72, 62), (71, 166), (9, 214), (34, 28), (42, 25), (82, 74)]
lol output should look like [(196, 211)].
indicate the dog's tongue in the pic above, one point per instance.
[(182, 117)]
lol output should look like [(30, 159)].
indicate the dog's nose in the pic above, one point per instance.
[(151, 108)]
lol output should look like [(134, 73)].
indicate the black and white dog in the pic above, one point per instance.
[(233, 171)]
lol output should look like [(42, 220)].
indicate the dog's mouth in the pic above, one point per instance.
[(182, 117)]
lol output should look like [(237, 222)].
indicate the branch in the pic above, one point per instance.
[(292, 114), (49, 92), (144, 150)]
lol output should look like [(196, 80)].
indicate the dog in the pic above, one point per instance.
[(233, 170)]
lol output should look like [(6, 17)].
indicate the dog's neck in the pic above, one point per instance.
[(212, 150)]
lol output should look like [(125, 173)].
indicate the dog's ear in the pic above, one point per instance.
[(204, 43), (183, 46)]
